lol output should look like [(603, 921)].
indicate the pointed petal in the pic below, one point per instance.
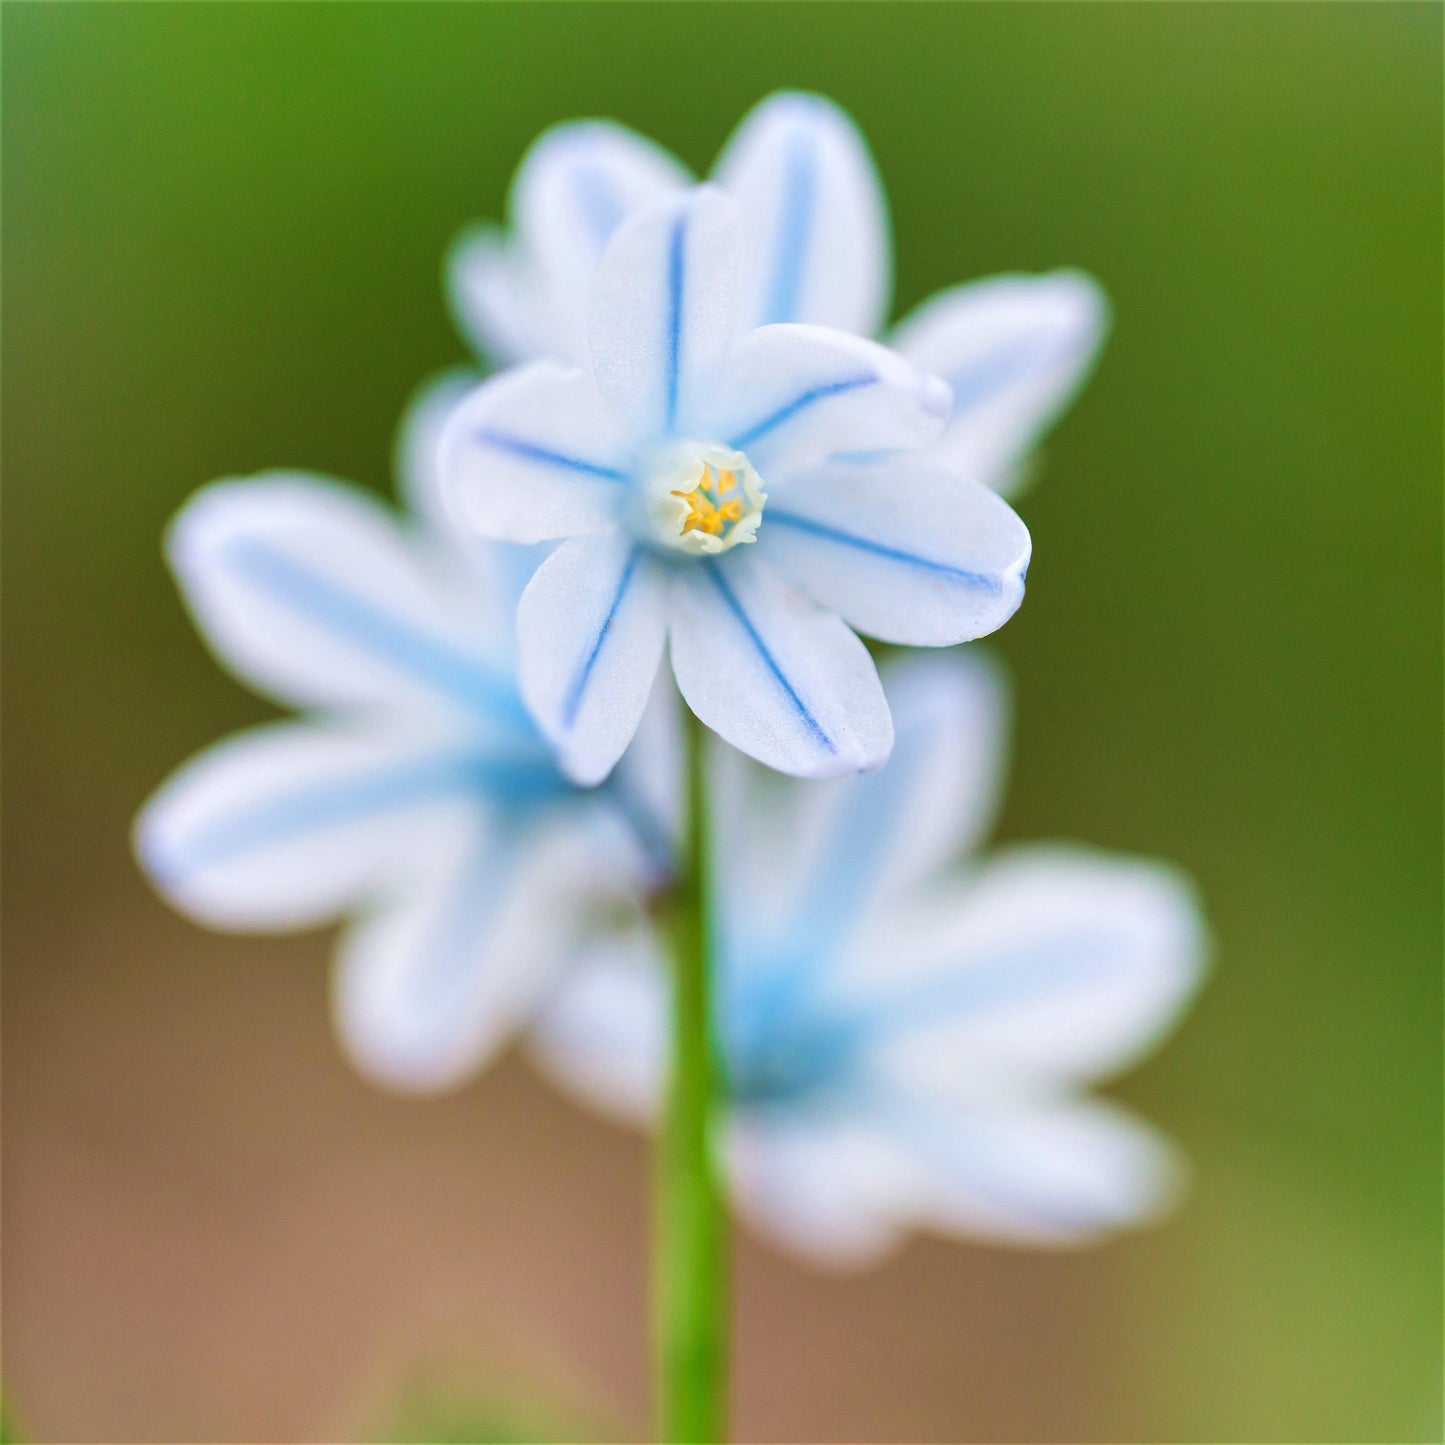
[(533, 455), (1056, 1174), (1015, 349), (901, 550), (1053, 962), (287, 825), (817, 222), (792, 396), (315, 593), (426, 991), (604, 1036), (590, 630), (773, 674), (665, 309)]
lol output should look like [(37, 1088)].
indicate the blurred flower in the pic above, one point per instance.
[(685, 441), (1014, 348), (904, 1046), (418, 796)]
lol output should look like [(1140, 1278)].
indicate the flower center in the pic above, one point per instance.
[(704, 498)]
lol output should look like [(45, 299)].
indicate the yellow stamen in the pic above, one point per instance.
[(707, 512)]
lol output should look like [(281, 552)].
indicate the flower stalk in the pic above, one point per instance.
[(690, 1220)]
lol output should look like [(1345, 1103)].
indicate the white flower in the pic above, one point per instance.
[(710, 483), (1014, 348), (904, 1046), (418, 796)]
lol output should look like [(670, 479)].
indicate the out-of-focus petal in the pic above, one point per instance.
[(315, 593), (827, 1187), (533, 455), (1050, 963), (814, 216), (647, 785), (427, 989), (590, 631), (495, 300), (289, 824), (1058, 1173), (605, 1035), (418, 456), (664, 309), (1015, 349), (805, 865), (527, 298), (792, 396), (773, 674), (901, 550)]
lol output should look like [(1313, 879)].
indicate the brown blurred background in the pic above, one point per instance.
[(222, 235)]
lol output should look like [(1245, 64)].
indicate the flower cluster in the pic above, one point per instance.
[(699, 452)]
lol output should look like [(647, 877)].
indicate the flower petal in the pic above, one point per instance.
[(316, 593), (604, 1037), (816, 219), (495, 299), (901, 550), (1015, 349), (773, 674), (418, 456), (289, 824), (665, 309), (647, 785), (792, 396), (533, 455), (590, 630), (1057, 1174), (527, 298), (807, 864), (1052, 963), (427, 990), (827, 1187)]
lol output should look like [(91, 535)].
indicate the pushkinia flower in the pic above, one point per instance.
[(746, 497), (905, 1044), (416, 797), (1014, 348)]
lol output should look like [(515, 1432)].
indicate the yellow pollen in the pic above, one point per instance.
[(707, 512)]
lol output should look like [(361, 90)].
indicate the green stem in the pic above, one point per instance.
[(690, 1224)]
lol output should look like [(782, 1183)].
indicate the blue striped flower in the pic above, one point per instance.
[(416, 795), (747, 495), (1014, 348), (906, 1026)]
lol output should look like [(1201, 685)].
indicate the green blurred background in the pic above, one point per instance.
[(222, 237)]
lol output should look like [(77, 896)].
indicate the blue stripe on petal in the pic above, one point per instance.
[(279, 820), (573, 702), (365, 626), (675, 286), (746, 622), (800, 184), (801, 402), (463, 773), (983, 580), (532, 452)]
